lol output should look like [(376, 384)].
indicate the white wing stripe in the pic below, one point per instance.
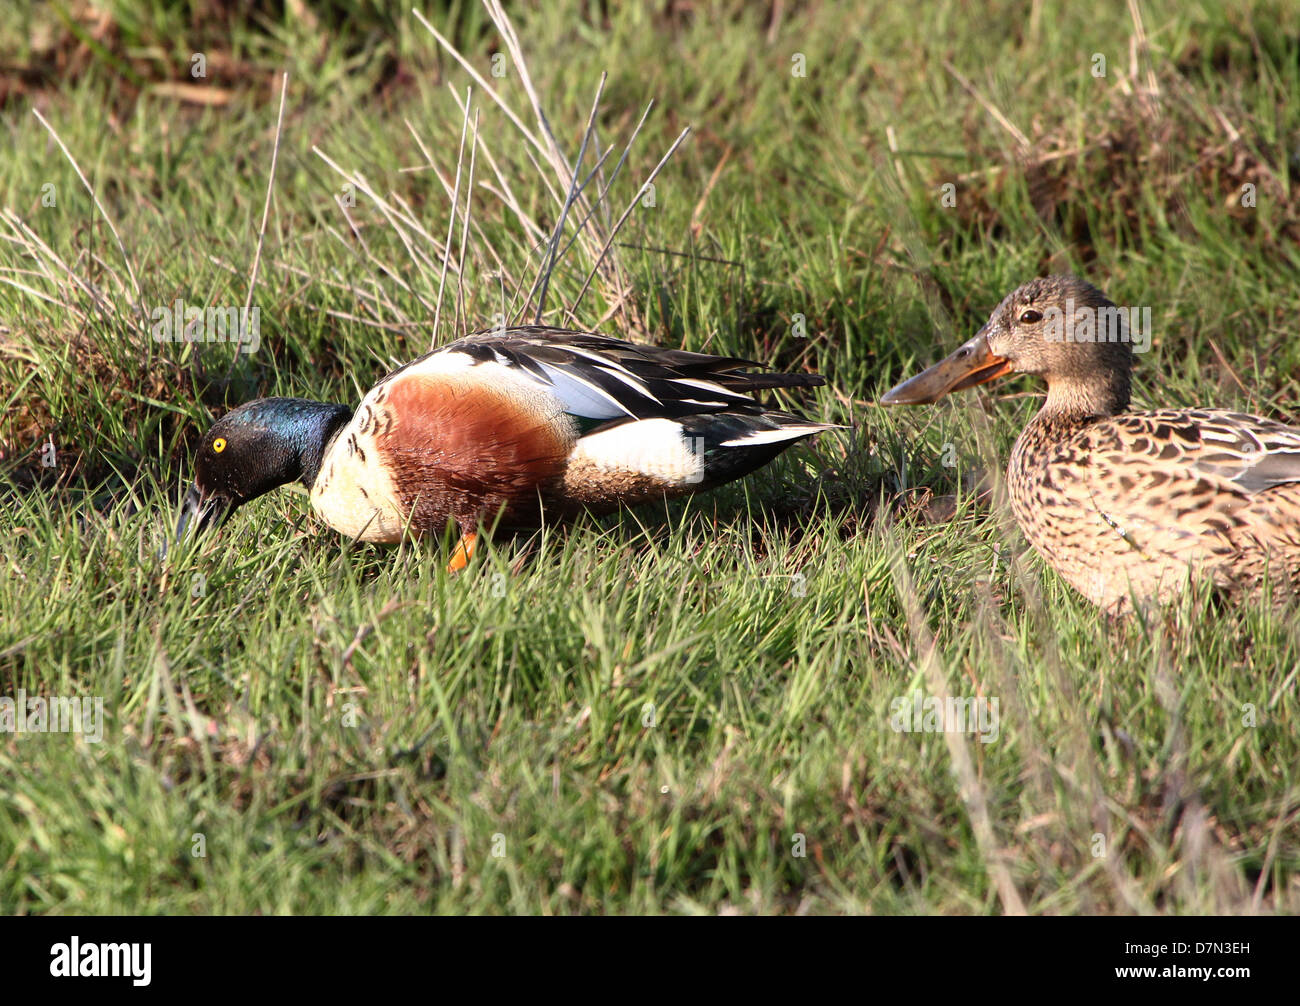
[(771, 436)]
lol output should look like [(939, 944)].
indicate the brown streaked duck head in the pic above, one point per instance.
[(1057, 326)]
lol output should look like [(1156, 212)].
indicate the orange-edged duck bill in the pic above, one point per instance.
[(973, 363)]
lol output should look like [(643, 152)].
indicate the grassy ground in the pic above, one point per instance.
[(675, 710)]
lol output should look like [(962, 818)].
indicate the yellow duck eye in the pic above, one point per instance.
[(218, 445)]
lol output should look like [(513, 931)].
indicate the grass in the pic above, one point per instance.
[(682, 709)]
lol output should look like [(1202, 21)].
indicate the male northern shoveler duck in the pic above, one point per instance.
[(504, 426), (1128, 505)]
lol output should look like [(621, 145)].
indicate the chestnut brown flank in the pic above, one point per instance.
[(468, 452)]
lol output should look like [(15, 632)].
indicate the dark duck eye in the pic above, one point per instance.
[(1029, 315)]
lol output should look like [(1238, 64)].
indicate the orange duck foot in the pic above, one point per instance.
[(463, 552)]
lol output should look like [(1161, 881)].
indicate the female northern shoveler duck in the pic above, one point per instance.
[(502, 425), (1127, 505)]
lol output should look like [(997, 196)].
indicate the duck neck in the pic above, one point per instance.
[(1071, 405), (316, 431), (1098, 396)]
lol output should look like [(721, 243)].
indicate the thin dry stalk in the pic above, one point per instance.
[(266, 214)]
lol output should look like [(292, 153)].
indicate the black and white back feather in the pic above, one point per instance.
[(602, 378)]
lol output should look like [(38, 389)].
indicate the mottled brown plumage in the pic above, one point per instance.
[(1129, 505)]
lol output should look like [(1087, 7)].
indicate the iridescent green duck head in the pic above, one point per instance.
[(253, 449), (1059, 327)]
